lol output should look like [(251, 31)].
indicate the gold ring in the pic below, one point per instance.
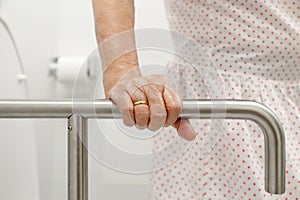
[(140, 103)]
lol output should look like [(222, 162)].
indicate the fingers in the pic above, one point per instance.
[(163, 109), (158, 113), (124, 103), (173, 105), (141, 112), (185, 130)]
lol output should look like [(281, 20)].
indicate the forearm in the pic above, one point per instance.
[(112, 19)]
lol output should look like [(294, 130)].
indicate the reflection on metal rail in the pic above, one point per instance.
[(78, 112)]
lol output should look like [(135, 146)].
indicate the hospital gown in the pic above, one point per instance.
[(252, 49)]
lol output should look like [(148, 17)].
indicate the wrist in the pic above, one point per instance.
[(113, 76)]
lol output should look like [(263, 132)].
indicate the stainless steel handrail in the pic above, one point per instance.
[(78, 112)]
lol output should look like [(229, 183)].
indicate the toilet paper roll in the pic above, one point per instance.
[(71, 69)]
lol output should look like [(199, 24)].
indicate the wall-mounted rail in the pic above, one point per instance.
[(78, 112)]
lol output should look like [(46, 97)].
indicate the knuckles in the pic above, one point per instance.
[(155, 115), (175, 108)]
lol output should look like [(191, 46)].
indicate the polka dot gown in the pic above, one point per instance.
[(232, 49)]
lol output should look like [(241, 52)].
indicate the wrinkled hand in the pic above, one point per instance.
[(163, 109)]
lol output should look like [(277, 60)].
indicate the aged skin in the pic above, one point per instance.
[(122, 79)]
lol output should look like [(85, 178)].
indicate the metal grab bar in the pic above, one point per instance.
[(79, 111)]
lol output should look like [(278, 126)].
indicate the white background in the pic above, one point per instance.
[(33, 152)]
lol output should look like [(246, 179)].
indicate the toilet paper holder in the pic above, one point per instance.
[(192, 109), (68, 69)]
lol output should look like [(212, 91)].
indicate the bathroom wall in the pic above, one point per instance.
[(34, 25), (44, 30), (17, 143)]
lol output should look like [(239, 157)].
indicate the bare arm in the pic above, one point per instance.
[(122, 78), (113, 17)]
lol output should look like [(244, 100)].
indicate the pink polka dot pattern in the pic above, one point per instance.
[(255, 48)]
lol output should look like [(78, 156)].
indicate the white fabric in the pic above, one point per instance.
[(254, 46)]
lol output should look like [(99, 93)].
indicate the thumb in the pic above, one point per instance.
[(184, 129)]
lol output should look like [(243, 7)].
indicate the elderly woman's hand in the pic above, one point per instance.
[(163, 105)]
